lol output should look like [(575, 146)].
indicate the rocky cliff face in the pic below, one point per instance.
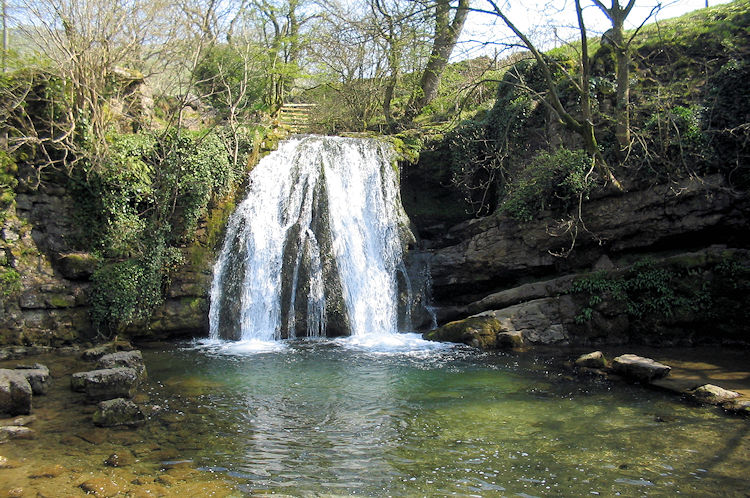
[(48, 303), (520, 274)]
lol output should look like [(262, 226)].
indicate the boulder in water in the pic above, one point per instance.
[(15, 393), (639, 368), (118, 411), (592, 360), (108, 383), (16, 432), (712, 394), (477, 331), (37, 375), (129, 359)]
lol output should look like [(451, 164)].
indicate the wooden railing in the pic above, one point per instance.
[(296, 116)]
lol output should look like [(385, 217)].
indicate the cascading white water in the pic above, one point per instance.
[(315, 247)]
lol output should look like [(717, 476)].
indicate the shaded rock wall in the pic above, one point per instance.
[(512, 273), (50, 307), (491, 254)]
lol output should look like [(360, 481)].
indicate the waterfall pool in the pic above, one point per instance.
[(394, 418)]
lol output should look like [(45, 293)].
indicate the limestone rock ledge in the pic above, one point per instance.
[(496, 253), (540, 321)]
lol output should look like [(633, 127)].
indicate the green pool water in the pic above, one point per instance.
[(327, 417)]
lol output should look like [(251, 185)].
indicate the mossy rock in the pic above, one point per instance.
[(77, 265), (478, 331)]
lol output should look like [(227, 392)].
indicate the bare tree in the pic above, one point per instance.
[(617, 14), (583, 125), (93, 45)]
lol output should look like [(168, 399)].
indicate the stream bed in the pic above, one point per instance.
[(337, 417)]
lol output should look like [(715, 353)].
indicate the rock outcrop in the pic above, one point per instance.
[(497, 253), (514, 273), (49, 305)]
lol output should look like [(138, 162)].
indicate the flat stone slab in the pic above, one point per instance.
[(107, 383), (130, 359), (712, 394), (639, 368)]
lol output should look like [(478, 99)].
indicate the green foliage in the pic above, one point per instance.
[(407, 146), (8, 181), (692, 291), (464, 86), (123, 292), (10, 282), (193, 170), (726, 119), (230, 75), (554, 181), (139, 206), (676, 134), (481, 148)]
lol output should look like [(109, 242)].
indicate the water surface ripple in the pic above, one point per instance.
[(337, 416)]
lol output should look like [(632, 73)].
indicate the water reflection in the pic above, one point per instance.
[(342, 417)]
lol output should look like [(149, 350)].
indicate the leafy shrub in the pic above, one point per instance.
[(696, 292), (10, 282), (8, 181), (139, 205), (554, 181)]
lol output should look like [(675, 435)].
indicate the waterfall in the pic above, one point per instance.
[(315, 247)]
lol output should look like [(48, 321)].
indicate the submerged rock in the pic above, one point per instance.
[(639, 368), (120, 459), (47, 472), (118, 411), (129, 359), (5, 463), (108, 383), (100, 487), (15, 393), (592, 360), (712, 394), (37, 375), (16, 432)]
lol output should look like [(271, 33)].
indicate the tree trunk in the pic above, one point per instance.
[(622, 71), (446, 36)]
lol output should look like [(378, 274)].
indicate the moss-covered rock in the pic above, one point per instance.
[(118, 411), (478, 331)]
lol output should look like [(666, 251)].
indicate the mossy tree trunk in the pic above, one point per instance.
[(617, 15)]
